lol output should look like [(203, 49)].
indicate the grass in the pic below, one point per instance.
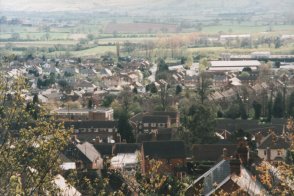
[(39, 43), (96, 51)]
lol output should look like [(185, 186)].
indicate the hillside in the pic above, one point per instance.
[(156, 6)]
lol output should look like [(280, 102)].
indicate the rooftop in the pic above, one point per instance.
[(252, 63)]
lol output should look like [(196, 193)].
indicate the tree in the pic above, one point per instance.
[(278, 111), (257, 109), (203, 89), (243, 112), (125, 98), (200, 123), (124, 127), (178, 89), (90, 37), (163, 96), (278, 42), (135, 90), (129, 47), (108, 99), (90, 103), (162, 66), (291, 105), (29, 156), (233, 111)]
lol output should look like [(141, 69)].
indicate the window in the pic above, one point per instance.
[(153, 124), (146, 124), (110, 130)]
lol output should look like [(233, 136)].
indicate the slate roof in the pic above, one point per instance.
[(211, 152), (274, 142), (105, 149), (90, 124), (126, 148), (155, 119), (164, 149), (89, 151), (143, 137), (164, 134), (218, 174)]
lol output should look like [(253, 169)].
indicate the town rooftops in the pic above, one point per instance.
[(274, 142), (82, 110), (211, 152), (89, 151), (164, 149), (126, 148), (90, 124), (155, 119), (105, 149)]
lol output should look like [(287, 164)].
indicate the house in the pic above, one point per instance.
[(220, 80), (160, 134), (105, 149), (84, 85), (227, 175), (100, 114), (95, 131), (212, 152), (171, 154), (233, 66), (152, 121), (273, 148), (84, 155), (126, 156)]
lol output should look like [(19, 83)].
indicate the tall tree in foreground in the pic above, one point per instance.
[(201, 124), (29, 145), (203, 89), (278, 111)]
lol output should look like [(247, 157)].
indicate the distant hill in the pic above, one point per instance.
[(136, 6)]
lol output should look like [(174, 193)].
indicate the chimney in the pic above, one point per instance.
[(235, 166), (243, 153), (268, 154), (75, 139), (225, 153)]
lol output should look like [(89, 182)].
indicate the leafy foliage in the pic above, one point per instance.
[(29, 144)]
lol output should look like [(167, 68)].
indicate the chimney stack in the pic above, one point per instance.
[(268, 154), (243, 152), (225, 153)]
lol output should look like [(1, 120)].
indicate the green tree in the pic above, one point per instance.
[(291, 105), (278, 42), (278, 111), (90, 103), (233, 111), (203, 89), (257, 109), (178, 89), (29, 160), (200, 123), (108, 99), (162, 66), (124, 127)]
